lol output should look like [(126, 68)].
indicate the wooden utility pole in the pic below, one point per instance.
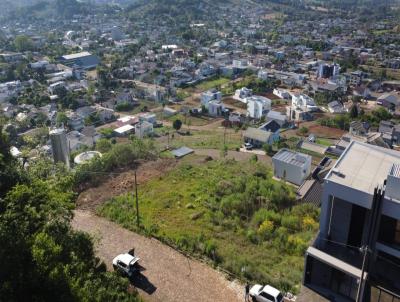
[(224, 135), (137, 203)]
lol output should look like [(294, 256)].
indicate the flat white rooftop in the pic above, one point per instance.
[(363, 166), (124, 129), (77, 55)]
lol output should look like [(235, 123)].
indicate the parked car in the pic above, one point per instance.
[(248, 146), (126, 264), (265, 293)]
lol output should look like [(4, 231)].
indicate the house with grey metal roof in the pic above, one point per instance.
[(291, 166), (258, 137)]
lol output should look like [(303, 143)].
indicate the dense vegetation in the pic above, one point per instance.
[(342, 121), (41, 257), (231, 212)]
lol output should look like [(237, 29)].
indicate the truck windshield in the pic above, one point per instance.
[(279, 298)]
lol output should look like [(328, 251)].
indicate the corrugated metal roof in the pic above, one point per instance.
[(257, 134), (291, 157), (181, 152)]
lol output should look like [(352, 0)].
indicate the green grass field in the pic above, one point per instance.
[(232, 213), (209, 84)]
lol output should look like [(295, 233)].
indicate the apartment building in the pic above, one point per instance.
[(356, 255)]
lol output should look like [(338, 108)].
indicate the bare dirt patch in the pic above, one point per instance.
[(167, 275), (116, 184)]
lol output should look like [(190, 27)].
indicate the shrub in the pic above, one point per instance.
[(266, 228), (309, 224), (291, 222)]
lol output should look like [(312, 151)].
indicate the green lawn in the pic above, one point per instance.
[(232, 213), (209, 84), (324, 142)]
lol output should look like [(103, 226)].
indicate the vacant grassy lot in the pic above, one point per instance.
[(209, 84), (231, 212), (201, 139)]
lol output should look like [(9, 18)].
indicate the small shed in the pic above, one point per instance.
[(291, 166), (181, 152)]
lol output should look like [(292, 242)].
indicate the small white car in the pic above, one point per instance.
[(265, 293), (126, 264), (248, 146)]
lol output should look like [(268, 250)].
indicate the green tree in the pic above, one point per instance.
[(354, 111), (40, 254), (177, 124), (103, 145), (61, 119), (23, 43)]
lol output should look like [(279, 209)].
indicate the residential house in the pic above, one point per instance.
[(216, 108), (291, 166), (237, 118), (359, 220), (148, 117), (273, 127), (242, 94), (387, 130), (124, 130), (210, 95), (304, 102), (77, 140), (258, 106), (143, 129), (336, 107), (282, 94), (278, 117), (358, 128), (258, 137), (388, 100)]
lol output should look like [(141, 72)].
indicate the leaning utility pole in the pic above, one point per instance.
[(137, 203), (360, 295)]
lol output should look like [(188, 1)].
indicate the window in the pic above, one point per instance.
[(267, 296), (397, 233), (389, 231), (120, 263)]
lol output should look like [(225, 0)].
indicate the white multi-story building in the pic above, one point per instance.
[(258, 106), (304, 102), (211, 95)]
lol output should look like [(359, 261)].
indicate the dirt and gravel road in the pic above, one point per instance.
[(168, 275)]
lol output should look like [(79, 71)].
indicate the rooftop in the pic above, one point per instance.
[(291, 157), (77, 55), (363, 166), (124, 129)]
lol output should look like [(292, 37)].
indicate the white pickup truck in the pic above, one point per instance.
[(259, 293)]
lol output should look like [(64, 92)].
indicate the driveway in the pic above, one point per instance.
[(168, 275)]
